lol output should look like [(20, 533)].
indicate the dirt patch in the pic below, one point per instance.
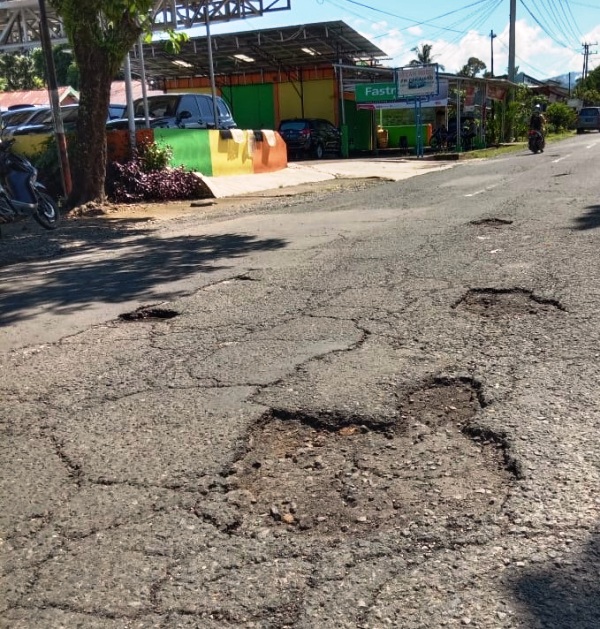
[(331, 473), (506, 302)]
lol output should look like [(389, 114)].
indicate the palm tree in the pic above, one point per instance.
[(424, 56)]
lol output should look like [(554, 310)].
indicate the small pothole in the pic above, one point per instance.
[(506, 302), (332, 473), (491, 222), (146, 313)]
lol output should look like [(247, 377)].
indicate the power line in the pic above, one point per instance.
[(548, 32)]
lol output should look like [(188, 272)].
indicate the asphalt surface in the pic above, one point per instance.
[(373, 407)]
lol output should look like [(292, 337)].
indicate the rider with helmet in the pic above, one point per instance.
[(537, 122)]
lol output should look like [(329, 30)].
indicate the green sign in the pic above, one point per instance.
[(376, 92)]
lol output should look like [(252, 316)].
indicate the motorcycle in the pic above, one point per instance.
[(21, 194), (536, 141), (439, 139)]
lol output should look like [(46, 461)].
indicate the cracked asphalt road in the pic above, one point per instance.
[(368, 412)]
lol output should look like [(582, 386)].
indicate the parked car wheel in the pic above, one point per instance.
[(319, 151)]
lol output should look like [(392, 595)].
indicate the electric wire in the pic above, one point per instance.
[(548, 32), (570, 19), (563, 26)]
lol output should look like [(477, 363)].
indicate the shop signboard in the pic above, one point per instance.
[(437, 100), (417, 81), (375, 92)]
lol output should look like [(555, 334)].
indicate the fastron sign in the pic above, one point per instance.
[(376, 92)]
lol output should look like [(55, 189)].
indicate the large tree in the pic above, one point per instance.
[(101, 33), (66, 68), (472, 68), (18, 72)]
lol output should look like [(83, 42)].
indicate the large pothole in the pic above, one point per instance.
[(491, 222), (327, 473), (146, 313), (506, 302)]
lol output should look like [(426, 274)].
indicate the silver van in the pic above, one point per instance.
[(185, 111), (588, 119)]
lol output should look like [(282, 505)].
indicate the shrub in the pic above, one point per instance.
[(560, 117), (136, 181), (154, 156)]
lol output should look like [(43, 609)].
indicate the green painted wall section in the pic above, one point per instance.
[(191, 147), (410, 132), (253, 106), (360, 125)]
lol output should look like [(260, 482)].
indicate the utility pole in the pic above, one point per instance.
[(59, 130), (586, 57), (492, 37), (511, 41)]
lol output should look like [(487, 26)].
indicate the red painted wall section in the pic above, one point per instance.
[(270, 153), (117, 143)]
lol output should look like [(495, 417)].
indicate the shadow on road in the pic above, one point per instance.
[(113, 266), (589, 220), (565, 596)]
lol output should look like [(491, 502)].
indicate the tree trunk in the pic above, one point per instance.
[(88, 162)]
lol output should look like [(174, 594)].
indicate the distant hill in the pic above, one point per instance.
[(563, 79)]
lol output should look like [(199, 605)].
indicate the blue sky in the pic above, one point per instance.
[(549, 39)]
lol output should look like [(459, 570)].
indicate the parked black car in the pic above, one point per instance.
[(310, 137), (185, 111)]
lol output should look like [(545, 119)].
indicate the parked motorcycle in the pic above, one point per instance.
[(439, 139), (536, 142), (21, 194)]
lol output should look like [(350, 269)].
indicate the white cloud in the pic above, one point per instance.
[(416, 31), (536, 53)]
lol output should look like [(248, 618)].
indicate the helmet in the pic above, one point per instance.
[(538, 108)]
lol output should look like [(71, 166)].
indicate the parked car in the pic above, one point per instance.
[(43, 121), (116, 111), (185, 111), (15, 118), (122, 124), (310, 136), (588, 119)]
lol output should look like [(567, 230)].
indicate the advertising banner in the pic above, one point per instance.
[(417, 81)]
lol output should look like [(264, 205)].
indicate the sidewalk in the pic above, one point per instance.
[(297, 173)]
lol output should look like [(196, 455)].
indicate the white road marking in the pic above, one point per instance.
[(560, 159), (591, 146), (486, 189)]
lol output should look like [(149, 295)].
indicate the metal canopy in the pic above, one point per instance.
[(285, 49), (182, 14), (20, 19)]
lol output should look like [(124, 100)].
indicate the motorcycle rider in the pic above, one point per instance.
[(537, 122)]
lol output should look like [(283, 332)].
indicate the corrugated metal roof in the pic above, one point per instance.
[(284, 49), (66, 96)]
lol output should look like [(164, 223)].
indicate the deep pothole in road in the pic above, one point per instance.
[(146, 313), (506, 302), (328, 473), (491, 222)]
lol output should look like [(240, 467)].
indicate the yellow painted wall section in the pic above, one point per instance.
[(319, 100), (231, 155), (30, 145)]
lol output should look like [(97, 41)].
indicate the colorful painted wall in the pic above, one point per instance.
[(309, 99), (253, 106), (212, 153)]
